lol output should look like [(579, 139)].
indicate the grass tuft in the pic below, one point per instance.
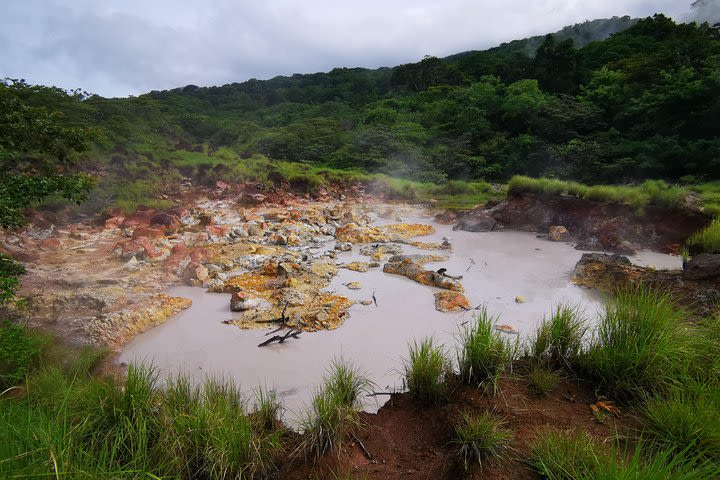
[(542, 380), (642, 345), (427, 372), (558, 340), (481, 439), (483, 355)]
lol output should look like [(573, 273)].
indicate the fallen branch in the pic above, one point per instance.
[(374, 299), (362, 447), (292, 333)]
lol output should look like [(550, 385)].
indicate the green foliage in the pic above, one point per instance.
[(19, 352), (649, 193), (558, 340), (706, 240), (333, 413), (90, 427), (542, 380), (9, 281), (641, 346), (483, 354), (34, 149), (571, 455), (481, 438), (427, 372), (687, 420)]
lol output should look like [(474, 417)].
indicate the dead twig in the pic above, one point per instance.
[(362, 447), (374, 299)]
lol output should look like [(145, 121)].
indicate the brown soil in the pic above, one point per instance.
[(410, 441)]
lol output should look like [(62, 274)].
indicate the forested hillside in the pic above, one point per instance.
[(643, 103)]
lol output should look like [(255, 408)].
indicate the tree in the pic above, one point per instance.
[(36, 154)]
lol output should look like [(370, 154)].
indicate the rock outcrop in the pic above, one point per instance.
[(412, 270), (702, 266)]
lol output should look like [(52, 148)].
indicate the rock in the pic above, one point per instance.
[(353, 285), (358, 266), (277, 239), (239, 232), (132, 265), (114, 222), (448, 301), (148, 232), (343, 246), (218, 231), (168, 222), (703, 266), (626, 248), (413, 271), (328, 230), (51, 243), (254, 230), (446, 217), (506, 329), (520, 299), (558, 233), (475, 221), (242, 301), (195, 273)]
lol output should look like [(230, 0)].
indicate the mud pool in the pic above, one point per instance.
[(496, 267)]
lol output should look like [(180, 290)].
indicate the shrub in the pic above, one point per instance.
[(484, 355), (542, 380), (426, 372), (346, 383), (481, 438), (641, 346), (20, 349), (558, 340)]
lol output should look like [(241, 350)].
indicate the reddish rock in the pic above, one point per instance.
[(134, 221), (148, 232), (448, 301), (217, 230), (149, 250), (199, 255), (195, 273), (114, 222), (179, 249)]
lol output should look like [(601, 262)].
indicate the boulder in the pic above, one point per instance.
[(166, 221), (343, 246), (254, 230), (703, 266), (475, 221), (242, 301), (195, 273), (558, 233), (413, 271)]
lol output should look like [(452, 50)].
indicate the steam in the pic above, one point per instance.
[(705, 11)]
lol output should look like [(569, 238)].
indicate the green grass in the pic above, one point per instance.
[(685, 420), (266, 409), (649, 193), (427, 372), (333, 413), (481, 439), (568, 455), (558, 339), (542, 380), (706, 240), (483, 355), (642, 345)]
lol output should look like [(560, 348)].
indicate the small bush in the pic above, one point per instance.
[(641, 346), (542, 380), (558, 340), (346, 383), (426, 372), (481, 438), (484, 355)]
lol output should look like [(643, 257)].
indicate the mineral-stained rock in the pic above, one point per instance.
[(254, 230), (520, 299), (195, 273), (355, 233), (353, 285), (558, 233), (506, 329), (448, 301), (360, 266), (419, 259), (343, 246), (413, 271), (241, 301), (705, 265), (167, 221), (378, 250), (475, 221)]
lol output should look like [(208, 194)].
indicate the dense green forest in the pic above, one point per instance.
[(643, 103)]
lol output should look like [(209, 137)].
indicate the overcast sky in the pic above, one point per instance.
[(127, 47)]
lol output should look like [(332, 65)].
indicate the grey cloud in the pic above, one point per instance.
[(130, 47)]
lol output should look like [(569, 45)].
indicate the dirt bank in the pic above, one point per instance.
[(594, 225)]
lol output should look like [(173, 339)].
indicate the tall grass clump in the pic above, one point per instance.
[(333, 413), (483, 354), (427, 372), (685, 420), (481, 439), (641, 346), (561, 455), (558, 340), (267, 409)]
